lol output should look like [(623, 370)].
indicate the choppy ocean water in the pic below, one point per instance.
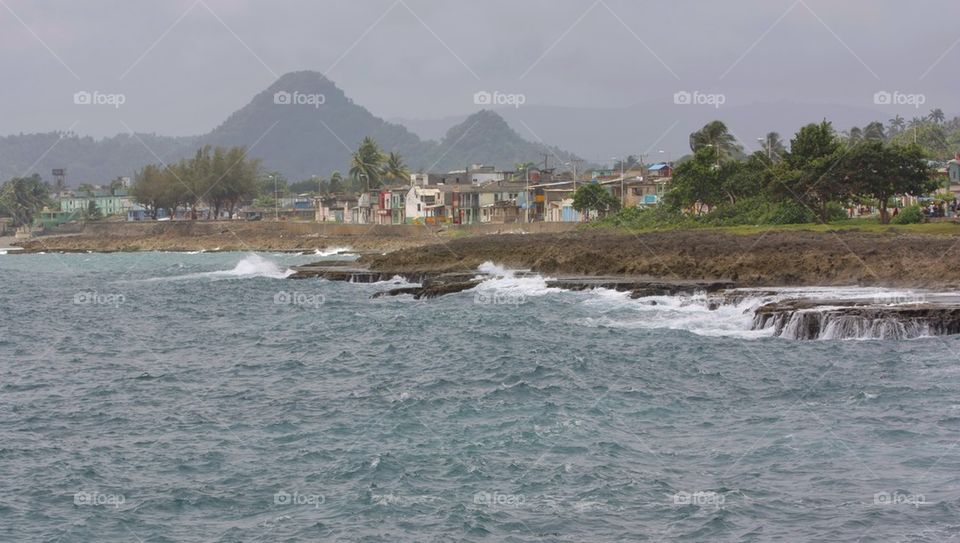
[(203, 397)]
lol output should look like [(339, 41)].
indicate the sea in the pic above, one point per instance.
[(160, 397)]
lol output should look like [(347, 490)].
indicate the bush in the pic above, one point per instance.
[(909, 215), (791, 212)]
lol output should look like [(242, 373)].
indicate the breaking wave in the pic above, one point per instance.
[(252, 265)]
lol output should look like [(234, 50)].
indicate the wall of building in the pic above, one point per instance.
[(189, 228)]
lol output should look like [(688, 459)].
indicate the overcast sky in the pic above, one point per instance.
[(184, 65)]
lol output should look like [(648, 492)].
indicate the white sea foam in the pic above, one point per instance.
[(252, 265), (331, 251), (732, 315), (498, 279)]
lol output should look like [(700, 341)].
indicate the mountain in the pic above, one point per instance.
[(302, 125), (485, 138), (598, 133)]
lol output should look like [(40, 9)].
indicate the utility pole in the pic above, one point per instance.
[(526, 196), (576, 162)]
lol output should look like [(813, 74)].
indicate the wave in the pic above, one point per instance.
[(253, 265), (496, 279), (734, 313), (332, 251)]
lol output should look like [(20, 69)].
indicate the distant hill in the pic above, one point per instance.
[(302, 125)]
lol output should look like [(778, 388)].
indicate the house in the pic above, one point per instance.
[(462, 202), (108, 204), (334, 208), (953, 174), (660, 170), (423, 205)]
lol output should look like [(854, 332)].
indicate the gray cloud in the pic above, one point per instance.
[(183, 74)]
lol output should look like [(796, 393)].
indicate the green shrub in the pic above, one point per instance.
[(791, 212), (910, 215)]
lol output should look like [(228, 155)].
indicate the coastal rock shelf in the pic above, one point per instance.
[(858, 319), (789, 315)]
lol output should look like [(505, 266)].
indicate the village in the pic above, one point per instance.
[(478, 194)]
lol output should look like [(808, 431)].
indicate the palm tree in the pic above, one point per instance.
[(715, 134), (395, 169), (366, 164), (915, 122), (874, 132), (336, 183), (937, 116), (897, 124), (773, 146), (854, 135), (521, 168)]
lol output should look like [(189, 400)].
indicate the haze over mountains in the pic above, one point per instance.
[(305, 137), (302, 125), (597, 134)]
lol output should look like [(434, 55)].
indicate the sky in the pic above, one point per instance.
[(180, 67)]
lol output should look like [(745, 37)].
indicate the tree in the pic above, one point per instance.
[(930, 136), (395, 170), (883, 171), (593, 197), (854, 135), (809, 173), (874, 132), (22, 197), (521, 169), (937, 116), (773, 146), (116, 185), (897, 124), (716, 136), (630, 162), (695, 183), (86, 189), (92, 213), (336, 183), (366, 164)]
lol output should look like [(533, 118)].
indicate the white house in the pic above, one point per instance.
[(422, 203)]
